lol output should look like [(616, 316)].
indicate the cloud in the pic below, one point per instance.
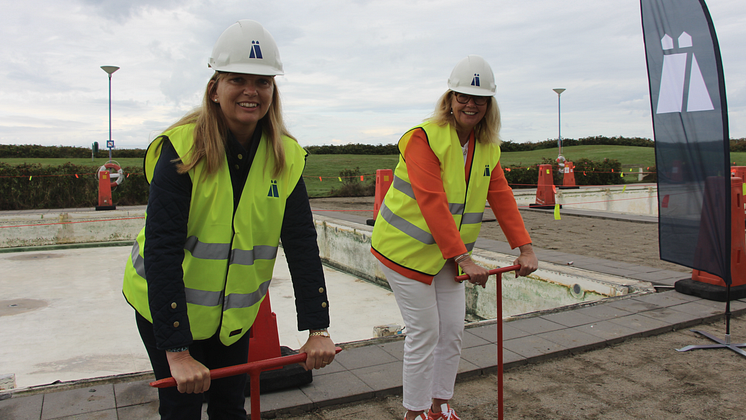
[(360, 72), (123, 10)]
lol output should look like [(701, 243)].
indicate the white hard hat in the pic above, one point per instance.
[(473, 76), (247, 48)]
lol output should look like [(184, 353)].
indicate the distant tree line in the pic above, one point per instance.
[(736, 145), (353, 149), (70, 152), (38, 151), (510, 146)]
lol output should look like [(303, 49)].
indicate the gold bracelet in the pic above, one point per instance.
[(319, 333), (460, 258)]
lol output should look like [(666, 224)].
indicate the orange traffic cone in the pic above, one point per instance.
[(709, 286), (264, 343), (738, 172), (545, 189), (568, 180), (106, 183), (384, 179), (104, 192)]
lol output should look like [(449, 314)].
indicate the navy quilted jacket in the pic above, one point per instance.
[(166, 230)]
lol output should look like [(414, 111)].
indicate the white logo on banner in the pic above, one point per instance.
[(671, 95)]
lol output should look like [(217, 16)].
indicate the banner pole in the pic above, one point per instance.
[(499, 293)]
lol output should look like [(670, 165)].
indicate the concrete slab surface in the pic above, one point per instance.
[(77, 325), (362, 371)]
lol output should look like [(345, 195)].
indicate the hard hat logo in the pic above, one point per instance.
[(256, 50), (475, 80)]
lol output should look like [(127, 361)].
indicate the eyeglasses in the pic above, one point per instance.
[(464, 99)]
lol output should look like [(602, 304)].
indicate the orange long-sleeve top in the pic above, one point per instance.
[(423, 168)]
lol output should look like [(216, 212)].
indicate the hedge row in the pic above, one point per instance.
[(738, 145), (33, 186), (587, 172)]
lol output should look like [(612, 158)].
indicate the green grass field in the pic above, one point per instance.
[(328, 167), (627, 155)]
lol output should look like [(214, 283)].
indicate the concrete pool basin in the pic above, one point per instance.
[(343, 245), (346, 246), (113, 345)]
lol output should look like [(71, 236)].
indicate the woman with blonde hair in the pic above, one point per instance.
[(225, 186), (449, 166)]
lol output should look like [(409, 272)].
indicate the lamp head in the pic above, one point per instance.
[(559, 90), (110, 69)]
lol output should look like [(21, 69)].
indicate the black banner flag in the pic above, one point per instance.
[(690, 123)]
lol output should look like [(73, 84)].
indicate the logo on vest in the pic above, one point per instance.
[(486, 170), (475, 80), (256, 50), (676, 67), (273, 189)]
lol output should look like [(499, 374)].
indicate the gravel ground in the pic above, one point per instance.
[(641, 378)]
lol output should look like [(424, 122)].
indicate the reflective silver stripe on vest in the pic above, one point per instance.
[(472, 218), (405, 226), (203, 298), (137, 261), (406, 188), (247, 257), (456, 208), (207, 251), (239, 300), (470, 246)]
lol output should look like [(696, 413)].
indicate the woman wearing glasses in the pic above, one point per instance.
[(428, 224)]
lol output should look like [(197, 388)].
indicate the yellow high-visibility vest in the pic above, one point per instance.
[(401, 233), (228, 262)]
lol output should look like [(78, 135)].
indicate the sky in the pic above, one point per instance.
[(355, 71)]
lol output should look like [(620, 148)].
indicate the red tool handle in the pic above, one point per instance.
[(253, 367), (493, 271), (498, 271)]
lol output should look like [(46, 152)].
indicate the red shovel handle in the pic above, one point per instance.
[(253, 367), (493, 271)]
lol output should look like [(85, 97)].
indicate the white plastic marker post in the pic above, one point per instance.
[(498, 272)]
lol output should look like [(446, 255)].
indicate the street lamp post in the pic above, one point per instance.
[(109, 70), (559, 122)]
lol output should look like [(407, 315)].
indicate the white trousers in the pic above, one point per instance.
[(434, 317)]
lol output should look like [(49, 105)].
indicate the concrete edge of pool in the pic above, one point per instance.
[(346, 245)]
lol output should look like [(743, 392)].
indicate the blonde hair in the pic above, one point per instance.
[(211, 131), (486, 131)]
